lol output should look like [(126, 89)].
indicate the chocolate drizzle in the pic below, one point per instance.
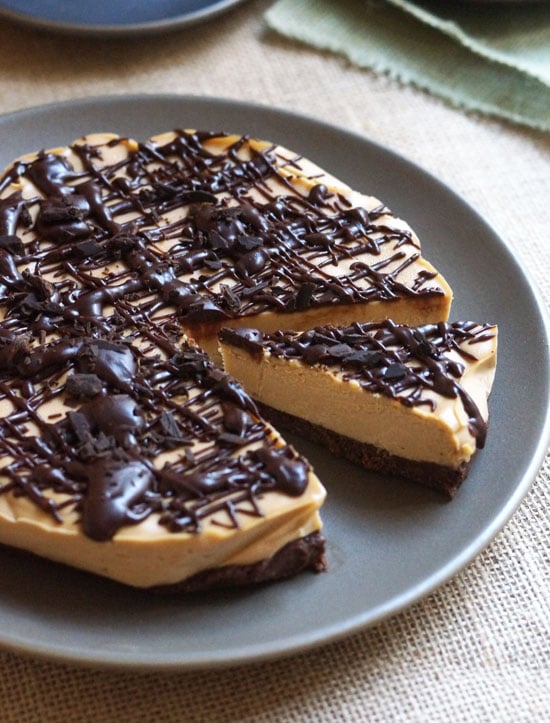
[(104, 264), (386, 358)]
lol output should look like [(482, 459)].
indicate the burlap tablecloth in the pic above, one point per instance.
[(478, 648)]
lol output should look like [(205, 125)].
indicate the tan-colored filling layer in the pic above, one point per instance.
[(324, 397)]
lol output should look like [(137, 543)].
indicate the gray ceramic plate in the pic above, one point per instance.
[(109, 18), (389, 542)]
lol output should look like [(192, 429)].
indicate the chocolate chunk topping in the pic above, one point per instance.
[(249, 339), (61, 219), (112, 498), (111, 362), (236, 419), (12, 244), (291, 477), (115, 415), (83, 386), (13, 350)]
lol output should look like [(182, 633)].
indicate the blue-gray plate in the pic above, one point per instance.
[(113, 17), (389, 542)]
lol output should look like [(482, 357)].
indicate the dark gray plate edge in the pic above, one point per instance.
[(305, 642), (120, 30)]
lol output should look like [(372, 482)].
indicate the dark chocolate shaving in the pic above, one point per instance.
[(83, 386)]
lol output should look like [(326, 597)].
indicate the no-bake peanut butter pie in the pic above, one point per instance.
[(124, 450), (410, 401)]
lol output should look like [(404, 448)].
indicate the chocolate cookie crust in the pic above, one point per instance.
[(437, 476), (307, 553)]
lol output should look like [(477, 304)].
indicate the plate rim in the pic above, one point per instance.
[(397, 603), (120, 30)]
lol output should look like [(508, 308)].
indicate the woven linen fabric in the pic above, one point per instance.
[(477, 650), (492, 59), (517, 34)]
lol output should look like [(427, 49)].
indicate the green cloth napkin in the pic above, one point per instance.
[(492, 59)]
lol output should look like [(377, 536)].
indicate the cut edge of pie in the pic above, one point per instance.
[(409, 401)]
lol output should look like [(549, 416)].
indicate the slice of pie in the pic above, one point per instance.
[(212, 229), (130, 455), (402, 400)]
